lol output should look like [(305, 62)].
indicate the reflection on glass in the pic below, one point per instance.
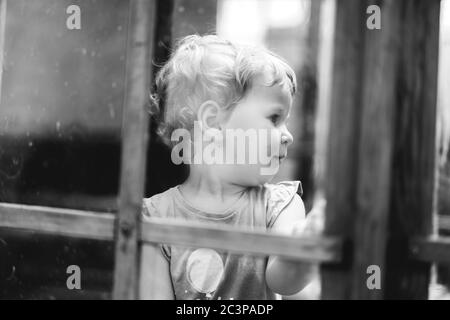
[(60, 127), (230, 194), (61, 104)]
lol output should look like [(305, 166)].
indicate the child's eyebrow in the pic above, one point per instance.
[(280, 109)]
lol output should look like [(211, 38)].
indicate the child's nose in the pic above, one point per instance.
[(286, 137)]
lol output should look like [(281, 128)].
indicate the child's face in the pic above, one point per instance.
[(263, 110)]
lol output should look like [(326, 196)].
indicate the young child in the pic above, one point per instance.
[(213, 87)]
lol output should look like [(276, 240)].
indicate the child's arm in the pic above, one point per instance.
[(155, 282), (287, 277)]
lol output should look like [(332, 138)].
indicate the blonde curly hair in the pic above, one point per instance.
[(208, 67)]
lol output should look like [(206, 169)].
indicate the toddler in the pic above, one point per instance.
[(226, 111)]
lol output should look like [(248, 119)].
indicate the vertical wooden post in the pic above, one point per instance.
[(376, 138), (415, 152), (343, 140), (382, 146), (134, 146)]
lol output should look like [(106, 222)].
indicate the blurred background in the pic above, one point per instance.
[(62, 95)]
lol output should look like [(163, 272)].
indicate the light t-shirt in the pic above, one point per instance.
[(203, 273)]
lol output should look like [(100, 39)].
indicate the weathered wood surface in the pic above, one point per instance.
[(100, 226), (142, 15), (58, 221), (314, 249), (431, 249), (342, 162), (414, 176), (382, 145)]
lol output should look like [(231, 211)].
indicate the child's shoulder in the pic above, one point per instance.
[(284, 188), (282, 191), (156, 205), (278, 196)]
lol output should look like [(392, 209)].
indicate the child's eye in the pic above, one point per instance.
[(274, 118)]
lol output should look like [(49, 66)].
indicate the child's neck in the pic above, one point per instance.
[(204, 189)]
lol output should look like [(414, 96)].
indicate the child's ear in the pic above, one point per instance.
[(209, 115)]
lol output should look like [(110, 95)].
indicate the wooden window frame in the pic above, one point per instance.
[(330, 249)]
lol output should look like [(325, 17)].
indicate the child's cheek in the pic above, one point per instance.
[(273, 146)]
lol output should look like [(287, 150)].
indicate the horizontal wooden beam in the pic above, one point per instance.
[(443, 223), (432, 249), (100, 226), (58, 221), (314, 249), (91, 225)]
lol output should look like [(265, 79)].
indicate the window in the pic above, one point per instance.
[(73, 141)]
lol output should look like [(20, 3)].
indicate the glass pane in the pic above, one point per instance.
[(60, 129), (286, 37), (61, 104)]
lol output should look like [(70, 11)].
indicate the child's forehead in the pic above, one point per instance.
[(276, 93)]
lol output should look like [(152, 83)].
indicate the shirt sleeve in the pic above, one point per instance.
[(149, 210), (279, 195)]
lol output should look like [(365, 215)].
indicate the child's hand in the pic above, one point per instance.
[(303, 228)]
